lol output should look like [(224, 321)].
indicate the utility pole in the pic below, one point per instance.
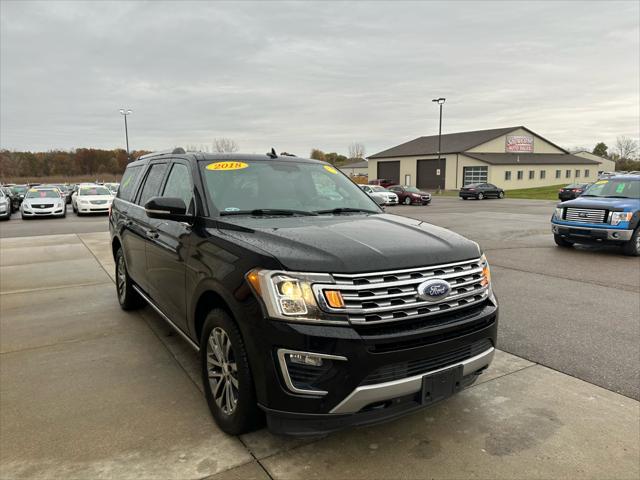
[(439, 101), (124, 112)]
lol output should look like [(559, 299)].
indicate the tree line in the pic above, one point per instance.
[(60, 163), (625, 153)]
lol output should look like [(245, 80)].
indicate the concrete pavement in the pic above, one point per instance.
[(89, 391)]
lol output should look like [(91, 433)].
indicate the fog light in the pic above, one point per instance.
[(305, 359), (615, 235)]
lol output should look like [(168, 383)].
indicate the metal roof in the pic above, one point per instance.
[(451, 143)]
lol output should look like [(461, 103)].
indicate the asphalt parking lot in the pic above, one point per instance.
[(89, 391)]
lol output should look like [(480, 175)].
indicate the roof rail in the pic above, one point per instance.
[(175, 151)]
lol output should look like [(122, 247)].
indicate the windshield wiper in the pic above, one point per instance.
[(587, 195), (267, 211), (615, 196), (337, 211)]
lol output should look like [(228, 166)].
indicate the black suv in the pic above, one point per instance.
[(308, 303)]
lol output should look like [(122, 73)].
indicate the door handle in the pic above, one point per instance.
[(152, 234)]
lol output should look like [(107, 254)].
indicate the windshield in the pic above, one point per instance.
[(42, 194), (281, 185), (616, 188), (377, 188), (19, 189), (94, 191)]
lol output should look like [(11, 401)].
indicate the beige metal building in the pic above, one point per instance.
[(513, 157), (606, 165)]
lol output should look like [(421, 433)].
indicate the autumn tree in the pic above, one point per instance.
[(316, 154)]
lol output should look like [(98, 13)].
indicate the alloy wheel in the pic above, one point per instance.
[(222, 370), (121, 278)]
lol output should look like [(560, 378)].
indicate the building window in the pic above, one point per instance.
[(543, 174), (558, 173), (587, 173), (577, 173), (507, 175), (474, 175), (520, 174), (567, 174), (532, 174)]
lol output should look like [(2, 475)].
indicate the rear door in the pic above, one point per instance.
[(139, 225), (168, 246)]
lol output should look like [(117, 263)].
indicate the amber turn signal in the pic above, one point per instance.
[(254, 280), (334, 298)]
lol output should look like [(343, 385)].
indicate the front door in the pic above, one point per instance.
[(430, 174), (167, 250)]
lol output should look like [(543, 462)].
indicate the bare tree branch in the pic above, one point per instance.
[(356, 151), (224, 145)]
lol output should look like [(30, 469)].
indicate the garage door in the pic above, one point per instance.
[(428, 174), (389, 170)]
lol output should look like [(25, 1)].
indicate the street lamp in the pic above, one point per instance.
[(439, 101), (124, 112)]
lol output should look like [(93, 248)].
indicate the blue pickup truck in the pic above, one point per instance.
[(608, 212)]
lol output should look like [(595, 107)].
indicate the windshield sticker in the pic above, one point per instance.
[(330, 169), (227, 166), (602, 182), (620, 188), (231, 209), (33, 190)]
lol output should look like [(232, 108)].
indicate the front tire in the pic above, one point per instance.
[(501, 195), (632, 247), (128, 298), (226, 376), (561, 242), (407, 201), (480, 196)]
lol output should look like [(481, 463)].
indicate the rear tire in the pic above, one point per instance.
[(226, 376), (128, 298), (632, 247), (561, 242)]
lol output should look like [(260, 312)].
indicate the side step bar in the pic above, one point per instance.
[(191, 343)]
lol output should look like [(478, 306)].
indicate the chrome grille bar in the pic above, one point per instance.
[(585, 215)]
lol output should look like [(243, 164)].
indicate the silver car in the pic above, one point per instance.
[(381, 195), (41, 202), (5, 206)]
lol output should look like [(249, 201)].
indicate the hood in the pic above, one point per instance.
[(38, 201), (617, 204), (350, 243)]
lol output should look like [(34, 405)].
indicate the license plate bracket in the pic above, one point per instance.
[(440, 385)]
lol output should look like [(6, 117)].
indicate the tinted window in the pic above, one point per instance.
[(125, 192), (179, 184), (152, 183)]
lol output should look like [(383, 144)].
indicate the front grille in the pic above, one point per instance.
[(47, 205), (411, 368), (98, 202), (391, 296), (585, 215)]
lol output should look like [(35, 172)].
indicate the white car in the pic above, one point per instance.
[(5, 206), (42, 202), (113, 188), (381, 195), (91, 199)]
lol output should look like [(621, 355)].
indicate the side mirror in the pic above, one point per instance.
[(167, 208)]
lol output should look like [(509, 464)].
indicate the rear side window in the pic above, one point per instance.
[(151, 187), (128, 183), (179, 184)]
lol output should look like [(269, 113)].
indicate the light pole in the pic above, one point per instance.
[(124, 112), (439, 101)]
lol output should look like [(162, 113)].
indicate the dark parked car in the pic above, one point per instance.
[(383, 182), (19, 191), (480, 191), (317, 311), (572, 191), (411, 195)]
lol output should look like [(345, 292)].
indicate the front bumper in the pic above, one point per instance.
[(44, 212), (351, 398), (592, 234), (103, 208)]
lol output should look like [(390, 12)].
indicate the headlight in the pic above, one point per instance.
[(619, 217), (486, 272), (84, 202), (291, 296), (557, 214)]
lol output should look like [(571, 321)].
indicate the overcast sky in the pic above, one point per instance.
[(301, 75)]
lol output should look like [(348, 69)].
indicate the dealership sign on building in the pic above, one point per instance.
[(519, 143)]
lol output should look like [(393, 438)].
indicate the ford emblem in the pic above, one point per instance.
[(433, 290)]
